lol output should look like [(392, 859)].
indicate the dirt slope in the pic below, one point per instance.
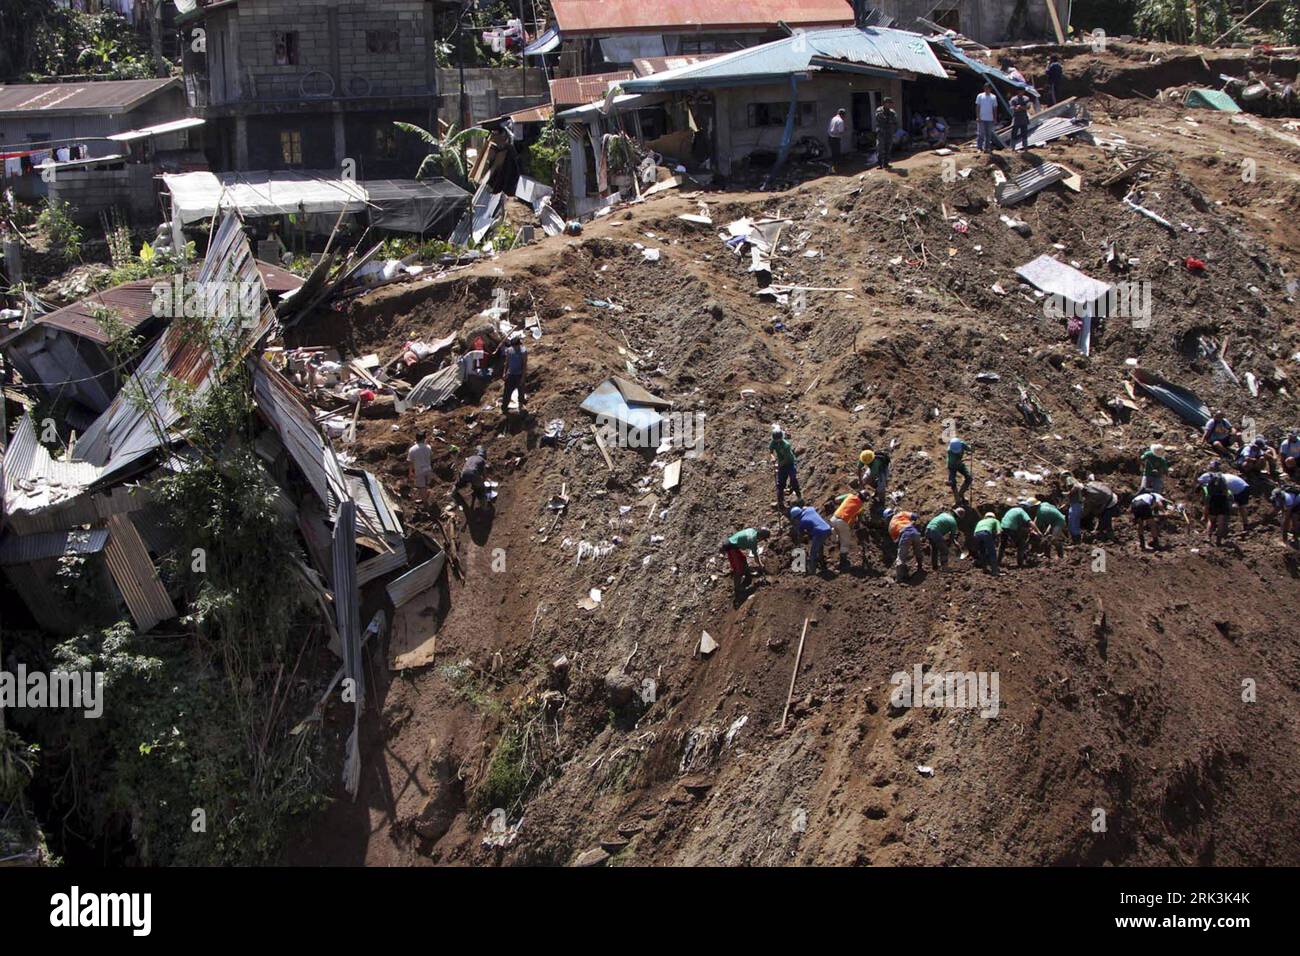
[(1120, 690)]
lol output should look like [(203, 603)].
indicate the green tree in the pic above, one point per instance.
[(448, 151)]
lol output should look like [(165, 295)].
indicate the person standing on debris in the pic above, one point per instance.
[(1051, 527), (941, 533), (1020, 105), (1219, 434), (1154, 468), (735, 547), (835, 137), (987, 530), (909, 549), (808, 521), (783, 463), (848, 508), (886, 128), (1055, 77), (1218, 500), (956, 466), (1016, 528), (419, 461), (516, 367), (1147, 508), (472, 477), (986, 115)]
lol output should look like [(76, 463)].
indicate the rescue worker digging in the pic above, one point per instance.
[(1017, 528), (472, 477), (1147, 508), (808, 521), (844, 522), (735, 547), (784, 467), (940, 534)]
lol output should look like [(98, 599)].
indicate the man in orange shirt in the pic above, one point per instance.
[(844, 523), (904, 533)]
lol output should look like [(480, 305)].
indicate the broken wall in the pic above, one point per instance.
[(984, 21)]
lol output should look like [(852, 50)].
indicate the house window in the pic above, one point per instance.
[(949, 19), (381, 41), (291, 147), (286, 48), (773, 114), (385, 142)]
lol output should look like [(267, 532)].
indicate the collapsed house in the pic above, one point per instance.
[(92, 509)]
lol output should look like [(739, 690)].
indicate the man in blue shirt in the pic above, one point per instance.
[(808, 521)]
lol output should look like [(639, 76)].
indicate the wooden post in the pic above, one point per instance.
[(797, 658)]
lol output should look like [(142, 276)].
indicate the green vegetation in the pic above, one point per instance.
[(61, 234), (39, 38), (1175, 21), (546, 151), (522, 760), (448, 156)]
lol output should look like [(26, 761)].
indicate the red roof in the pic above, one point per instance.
[(580, 90), (599, 17)]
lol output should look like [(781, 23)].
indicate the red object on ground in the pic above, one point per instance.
[(1194, 265), (367, 395)]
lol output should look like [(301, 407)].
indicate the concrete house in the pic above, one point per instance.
[(990, 22), (293, 84), (598, 36)]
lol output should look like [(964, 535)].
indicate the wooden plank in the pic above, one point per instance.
[(600, 443), (797, 659), (1056, 20)]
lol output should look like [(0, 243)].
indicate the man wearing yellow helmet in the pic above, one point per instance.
[(873, 471)]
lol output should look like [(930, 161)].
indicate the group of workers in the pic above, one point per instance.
[(1031, 525)]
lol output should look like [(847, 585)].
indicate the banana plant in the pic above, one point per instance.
[(448, 151)]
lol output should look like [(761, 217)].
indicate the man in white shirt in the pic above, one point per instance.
[(419, 458), (986, 114), (835, 136)]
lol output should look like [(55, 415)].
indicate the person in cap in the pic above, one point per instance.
[(1017, 528), (472, 476), (987, 531), (1051, 527), (781, 450), (1154, 467), (1288, 453), (1257, 457), (1218, 500), (1100, 505), (873, 471), (844, 521), (941, 534), (1147, 507), (806, 521), (735, 546)]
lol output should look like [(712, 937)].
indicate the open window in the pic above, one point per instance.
[(291, 147), (286, 48)]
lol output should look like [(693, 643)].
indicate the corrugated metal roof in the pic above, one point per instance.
[(572, 90), (135, 576), (141, 418), (34, 480), (106, 96), (874, 47), (417, 580), (26, 548), (646, 65), (596, 17)]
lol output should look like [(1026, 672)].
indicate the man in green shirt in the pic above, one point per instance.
[(1050, 523), (987, 530), (782, 452), (1154, 467), (735, 547), (1016, 528), (941, 533)]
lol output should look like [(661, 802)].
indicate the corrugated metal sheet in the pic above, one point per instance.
[(1057, 278), (644, 66), (417, 580), (135, 576), (25, 548), (875, 47), (34, 481), (1055, 128), (572, 90), (597, 17), (108, 96), (380, 565), (142, 417)]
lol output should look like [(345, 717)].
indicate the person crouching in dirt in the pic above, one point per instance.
[(909, 548), (1218, 501), (844, 522), (1017, 529), (987, 531), (1099, 506), (1286, 501), (1258, 457), (808, 521), (472, 476), (940, 534), (735, 547), (1288, 451), (1051, 527), (514, 370), (419, 460), (786, 470), (1147, 507), (1220, 436)]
